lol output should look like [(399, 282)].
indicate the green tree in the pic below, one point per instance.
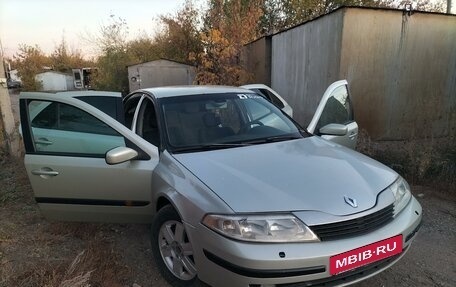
[(421, 5), (112, 72), (63, 60), (112, 63), (282, 14), (179, 38), (144, 49), (228, 25), (29, 61)]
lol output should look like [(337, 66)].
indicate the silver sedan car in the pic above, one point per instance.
[(236, 192)]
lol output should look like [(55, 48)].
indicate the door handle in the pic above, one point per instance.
[(43, 141), (45, 172)]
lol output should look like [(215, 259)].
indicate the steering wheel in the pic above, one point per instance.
[(248, 125)]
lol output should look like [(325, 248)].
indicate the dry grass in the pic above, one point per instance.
[(96, 265), (34, 252), (422, 161)]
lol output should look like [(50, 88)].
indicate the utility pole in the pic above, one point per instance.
[(448, 6), (9, 137)]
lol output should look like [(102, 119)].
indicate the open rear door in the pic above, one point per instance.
[(334, 119)]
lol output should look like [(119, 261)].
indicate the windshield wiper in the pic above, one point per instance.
[(274, 139), (206, 147)]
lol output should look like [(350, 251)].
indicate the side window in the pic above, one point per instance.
[(64, 129), (147, 125), (262, 114), (256, 110), (337, 109), (273, 98)]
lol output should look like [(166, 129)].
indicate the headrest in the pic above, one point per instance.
[(192, 107), (211, 120), (172, 118)]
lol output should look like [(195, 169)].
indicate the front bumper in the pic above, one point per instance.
[(224, 262)]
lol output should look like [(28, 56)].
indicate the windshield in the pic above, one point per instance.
[(223, 120)]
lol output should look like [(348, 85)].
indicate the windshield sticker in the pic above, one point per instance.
[(248, 96)]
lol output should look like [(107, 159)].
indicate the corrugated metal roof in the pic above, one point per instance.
[(355, 7), (55, 72), (162, 59)]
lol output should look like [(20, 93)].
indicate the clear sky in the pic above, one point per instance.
[(43, 22)]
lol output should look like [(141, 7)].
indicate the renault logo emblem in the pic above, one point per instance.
[(351, 201)]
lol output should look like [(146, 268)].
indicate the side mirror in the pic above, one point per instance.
[(334, 130), (120, 154)]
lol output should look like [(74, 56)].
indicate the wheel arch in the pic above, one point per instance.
[(170, 197), (162, 201)]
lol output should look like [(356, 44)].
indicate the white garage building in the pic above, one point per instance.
[(55, 81), (159, 73)]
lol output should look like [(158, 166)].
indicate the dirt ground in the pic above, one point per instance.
[(34, 252)]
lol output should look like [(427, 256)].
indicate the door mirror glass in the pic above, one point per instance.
[(334, 130), (333, 120), (120, 154)]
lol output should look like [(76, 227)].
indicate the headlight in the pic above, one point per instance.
[(401, 191), (261, 228)]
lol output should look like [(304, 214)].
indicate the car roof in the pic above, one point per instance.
[(175, 91), (72, 94)]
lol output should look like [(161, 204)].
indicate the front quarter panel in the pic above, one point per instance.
[(190, 197)]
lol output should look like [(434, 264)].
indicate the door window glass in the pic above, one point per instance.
[(274, 99), (108, 105), (256, 110), (61, 128), (337, 109), (263, 115)]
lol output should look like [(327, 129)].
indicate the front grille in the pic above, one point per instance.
[(353, 227)]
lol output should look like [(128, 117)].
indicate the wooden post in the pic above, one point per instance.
[(10, 139), (448, 6)]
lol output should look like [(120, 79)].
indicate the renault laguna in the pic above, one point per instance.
[(236, 192)]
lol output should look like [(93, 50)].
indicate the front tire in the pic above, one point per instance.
[(172, 249)]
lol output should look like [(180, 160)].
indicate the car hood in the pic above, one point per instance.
[(296, 175)]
